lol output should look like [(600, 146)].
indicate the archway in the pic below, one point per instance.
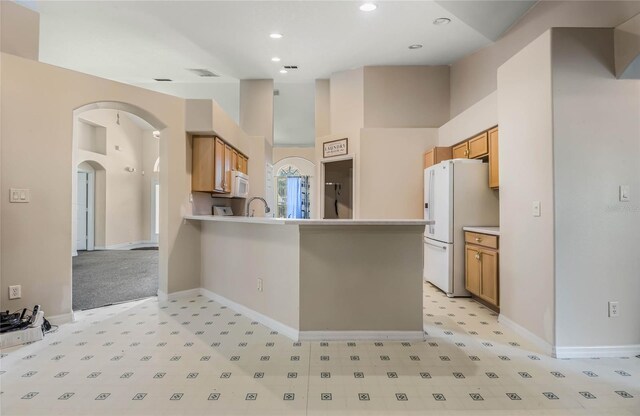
[(122, 220), (294, 181)]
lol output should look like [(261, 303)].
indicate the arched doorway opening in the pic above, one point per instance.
[(116, 211)]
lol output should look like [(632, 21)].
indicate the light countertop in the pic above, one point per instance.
[(484, 230), (285, 221)]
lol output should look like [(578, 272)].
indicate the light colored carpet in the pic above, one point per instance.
[(111, 276)]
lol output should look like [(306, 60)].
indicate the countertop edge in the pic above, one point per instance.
[(483, 230), (282, 221)]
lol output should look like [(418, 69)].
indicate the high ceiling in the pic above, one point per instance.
[(137, 41)]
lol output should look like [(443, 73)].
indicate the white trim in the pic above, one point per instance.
[(91, 207), (256, 316), (128, 246), (528, 335), (361, 335), (64, 318), (321, 185), (608, 351), (189, 293)]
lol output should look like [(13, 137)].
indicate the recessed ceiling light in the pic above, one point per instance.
[(368, 7), (416, 46), (275, 36), (283, 71), (442, 21), (275, 59)]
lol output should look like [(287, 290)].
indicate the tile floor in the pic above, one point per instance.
[(194, 357)]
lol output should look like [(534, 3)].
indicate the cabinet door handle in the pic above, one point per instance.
[(478, 239), (478, 255)]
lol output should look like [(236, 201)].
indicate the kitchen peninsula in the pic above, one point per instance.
[(317, 279)]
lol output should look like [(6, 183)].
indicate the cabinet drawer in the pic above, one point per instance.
[(478, 146), (484, 240)]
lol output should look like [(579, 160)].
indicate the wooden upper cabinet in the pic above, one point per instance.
[(478, 146), (494, 177), (203, 162), (228, 167), (212, 163), (234, 160), (218, 170), (460, 151), (243, 164), (436, 155)]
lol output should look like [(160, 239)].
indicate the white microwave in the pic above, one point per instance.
[(239, 184)]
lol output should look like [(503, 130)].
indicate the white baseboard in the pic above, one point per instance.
[(189, 293), (526, 334), (64, 318), (127, 246), (607, 351), (256, 316), (361, 335)]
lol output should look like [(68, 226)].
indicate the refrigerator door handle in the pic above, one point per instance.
[(426, 241)]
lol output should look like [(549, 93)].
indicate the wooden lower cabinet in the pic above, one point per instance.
[(481, 269)]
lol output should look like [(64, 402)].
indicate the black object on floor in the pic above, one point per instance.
[(112, 276), (145, 248)]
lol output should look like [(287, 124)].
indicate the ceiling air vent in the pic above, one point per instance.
[(201, 72), (291, 67), (163, 79)]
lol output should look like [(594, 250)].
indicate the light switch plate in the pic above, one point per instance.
[(624, 193), (19, 195), (536, 208)]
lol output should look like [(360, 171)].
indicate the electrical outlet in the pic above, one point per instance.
[(259, 285), (15, 292), (614, 310)]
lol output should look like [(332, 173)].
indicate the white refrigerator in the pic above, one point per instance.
[(456, 195)]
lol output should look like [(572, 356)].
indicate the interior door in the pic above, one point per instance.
[(82, 211)]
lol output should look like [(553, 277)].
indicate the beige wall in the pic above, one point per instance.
[(256, 107), (273, 251), (406, 96), (280, 153), (19, 30), (474, 76), (361, 278), (627, 48), (596, 122), (38, 101), (526, 175), (479, 117), (322, 105), (207, 117), (392, 172)]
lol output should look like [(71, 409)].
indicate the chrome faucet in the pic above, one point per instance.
[(266, 207)]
